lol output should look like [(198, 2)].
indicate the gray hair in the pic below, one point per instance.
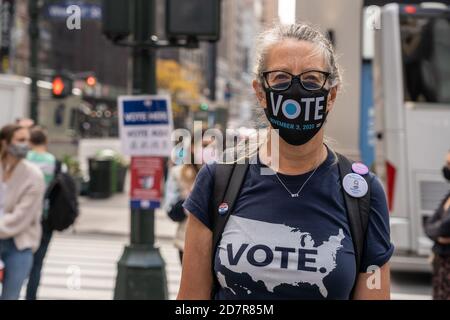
[(300, 32)]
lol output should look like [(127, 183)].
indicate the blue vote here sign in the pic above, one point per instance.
[(146, 125)]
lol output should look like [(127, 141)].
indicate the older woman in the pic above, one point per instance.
[(22, 187), (288, 236)]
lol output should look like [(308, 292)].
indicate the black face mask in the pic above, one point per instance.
[(446, 173), (297, 113)]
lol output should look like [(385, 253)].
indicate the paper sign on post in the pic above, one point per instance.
[(146, 125), (146, 182)]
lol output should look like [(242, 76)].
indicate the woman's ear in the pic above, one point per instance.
[(260, 94), (332, 98)]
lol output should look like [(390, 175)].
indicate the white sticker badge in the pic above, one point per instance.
[(355, 185)]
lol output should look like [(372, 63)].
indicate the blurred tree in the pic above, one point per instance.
[(182, 83)]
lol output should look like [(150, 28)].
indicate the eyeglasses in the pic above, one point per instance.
[(312, 80)]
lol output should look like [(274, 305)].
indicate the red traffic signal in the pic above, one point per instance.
[(91, 81), (410, 9), (61, 87), (58, 86)]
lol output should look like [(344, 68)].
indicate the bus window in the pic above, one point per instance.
[(426, 56)]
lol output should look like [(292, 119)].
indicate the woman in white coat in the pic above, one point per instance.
[(22, 189)]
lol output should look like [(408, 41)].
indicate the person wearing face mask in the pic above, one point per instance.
[(437, 229), (291, 234), (22, 186)]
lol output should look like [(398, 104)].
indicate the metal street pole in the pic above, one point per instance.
[(141, 269), (33, 30), (212, 70)]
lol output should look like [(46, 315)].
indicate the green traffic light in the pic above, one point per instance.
[(204, 107)]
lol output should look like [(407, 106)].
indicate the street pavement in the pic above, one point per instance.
[(81, 263), (411, 286)]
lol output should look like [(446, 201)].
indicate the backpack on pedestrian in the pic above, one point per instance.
[(229, 179), (176, 213), (62, 201)]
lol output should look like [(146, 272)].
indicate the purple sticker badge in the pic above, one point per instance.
[(360, 168)]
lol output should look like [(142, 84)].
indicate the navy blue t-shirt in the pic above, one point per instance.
[(275, 246)]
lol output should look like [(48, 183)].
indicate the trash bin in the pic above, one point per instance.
[(113, 176), (111, 155), (84, 188), (121, 176), (100, 178)]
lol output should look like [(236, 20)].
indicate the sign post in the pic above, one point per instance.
[(145, 126), (141, 271)]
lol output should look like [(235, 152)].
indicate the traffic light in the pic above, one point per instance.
[(198, 19), (61, 86), (116, 24), (91, 81), (204, 107)]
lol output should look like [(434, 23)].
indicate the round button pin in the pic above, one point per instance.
[(360, 168), (223, 209), (355, 185)]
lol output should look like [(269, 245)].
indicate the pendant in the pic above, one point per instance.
[(295, 195)]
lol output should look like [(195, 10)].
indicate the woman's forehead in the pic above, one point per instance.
[(295, 56), (21, 133)]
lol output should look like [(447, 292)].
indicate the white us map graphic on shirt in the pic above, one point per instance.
[(237, 253)]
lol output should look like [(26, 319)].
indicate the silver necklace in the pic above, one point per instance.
[(296, 195)]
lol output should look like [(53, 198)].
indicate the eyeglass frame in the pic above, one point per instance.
[(265, 73)]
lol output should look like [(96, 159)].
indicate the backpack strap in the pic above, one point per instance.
[(58, 167), (357, 212), (56, 171), (227, 185)]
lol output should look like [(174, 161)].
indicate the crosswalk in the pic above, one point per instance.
[(84, 267)]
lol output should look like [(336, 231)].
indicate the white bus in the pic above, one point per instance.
[(412, 103)]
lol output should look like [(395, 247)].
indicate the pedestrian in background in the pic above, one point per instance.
[(23, 187), (181, 178), (288, 235), (437, 228), (46, 161), (178, 187)]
